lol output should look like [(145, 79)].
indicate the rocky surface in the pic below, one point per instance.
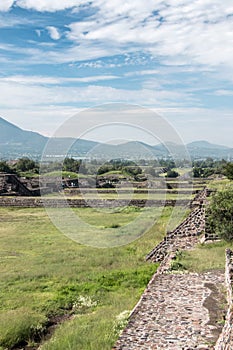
[(177, 311), (182, 311)]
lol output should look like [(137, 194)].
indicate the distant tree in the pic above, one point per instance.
[(203, 172), (172, 173), (167, 163), (220, 214), (27, 164), (133, 170), (105, 168), (71, 164), (228, 170), (5, 168), (197, 172)]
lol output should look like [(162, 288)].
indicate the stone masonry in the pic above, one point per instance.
[(225, 341), (184, 236), (176, 313), (182, 311)]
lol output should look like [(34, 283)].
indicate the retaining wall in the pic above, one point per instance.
[(191, 227), (186, 233), (35, 202), (225, 341)]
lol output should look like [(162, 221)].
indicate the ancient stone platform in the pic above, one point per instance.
[(177, 312)]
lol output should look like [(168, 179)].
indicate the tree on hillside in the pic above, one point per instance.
[(203, 172), (5, 168), (228, 170), (220, 214), (27, 164), (70, 164)]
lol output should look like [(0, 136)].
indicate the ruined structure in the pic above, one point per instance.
[(182, 310), (186, 234), (10, 184)]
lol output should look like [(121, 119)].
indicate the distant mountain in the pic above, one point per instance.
[(206, 144), (204, 149), (12, 134), (16, 142)]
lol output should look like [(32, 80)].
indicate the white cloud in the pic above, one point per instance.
[(49, 5), (5, 5), (46, 80), (53, 32), (181, 33), (175, 32), (19, 91), (143, 72), (224, 93)]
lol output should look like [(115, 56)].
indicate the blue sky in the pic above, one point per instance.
[(172, 56)]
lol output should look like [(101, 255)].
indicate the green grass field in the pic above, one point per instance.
[(43, 274)]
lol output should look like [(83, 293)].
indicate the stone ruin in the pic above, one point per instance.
[(145, 326), (225, 341), (11, 185), (186, 233)]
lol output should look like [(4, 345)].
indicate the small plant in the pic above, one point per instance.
[(176, 264), (121, 322), (83, 302)]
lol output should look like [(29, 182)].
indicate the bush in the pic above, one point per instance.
[(172, 173), (228, 171), (220, 214)]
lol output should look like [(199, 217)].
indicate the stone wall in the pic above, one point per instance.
[(225, 341), (181, 237), (35, 202), (187, 233)]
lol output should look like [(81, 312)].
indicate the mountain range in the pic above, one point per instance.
[(16, 142)]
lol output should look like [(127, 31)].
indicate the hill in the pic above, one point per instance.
[(199, 149), (16, 142)]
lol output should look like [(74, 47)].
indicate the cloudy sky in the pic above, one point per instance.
[(172, 56)]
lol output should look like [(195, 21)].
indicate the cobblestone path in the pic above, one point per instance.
[(177, 312)]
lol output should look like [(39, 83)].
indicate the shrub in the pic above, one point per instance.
[(220, 214)]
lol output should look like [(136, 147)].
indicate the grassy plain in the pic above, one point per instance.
[(45, 274)]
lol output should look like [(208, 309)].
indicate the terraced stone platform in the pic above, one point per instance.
[(177, 312)]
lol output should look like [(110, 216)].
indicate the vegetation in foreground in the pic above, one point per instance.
[(205, 257), (44, 275), (220, 213)]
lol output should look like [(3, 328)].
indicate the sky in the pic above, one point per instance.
[(174, 57)]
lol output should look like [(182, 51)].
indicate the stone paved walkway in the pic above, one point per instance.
[(177, 312)]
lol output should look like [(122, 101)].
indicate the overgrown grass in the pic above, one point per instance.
[(219, 184), (205, 257), (43, 273)]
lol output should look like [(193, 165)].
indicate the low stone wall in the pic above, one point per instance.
[(186, 233), (35, 202), (77, 191), (191, 227), (225, 341)]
